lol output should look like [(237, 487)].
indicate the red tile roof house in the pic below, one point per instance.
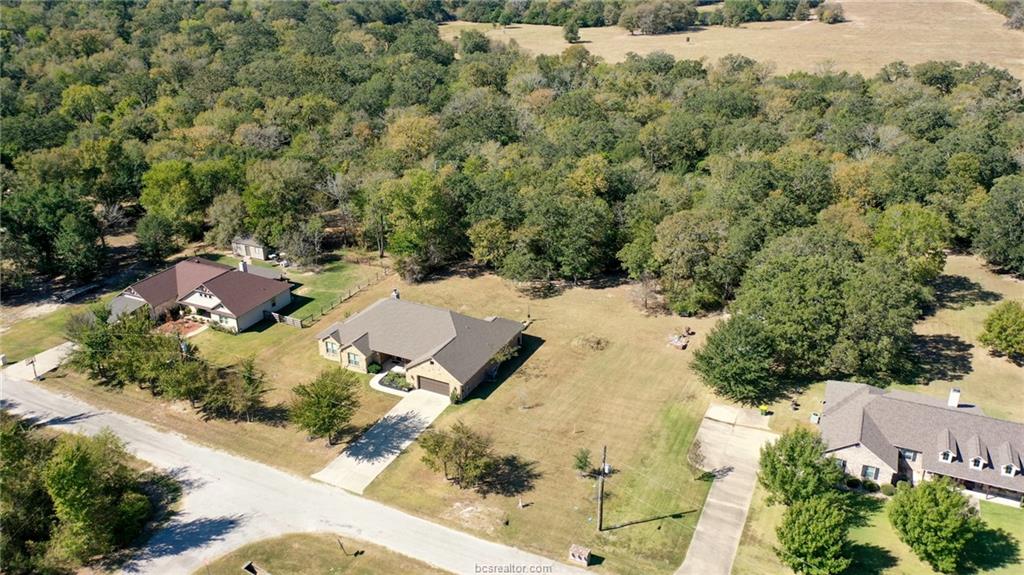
[(441, 351), (890, 435), (234, 299)]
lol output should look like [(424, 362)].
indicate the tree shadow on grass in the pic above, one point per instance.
[(943, 356), (990, 549), (958, 292), (510, 476), (860, 508), (869, 559)]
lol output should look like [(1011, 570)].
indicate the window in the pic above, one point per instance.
[(977, 463), (946, 456), (868, 472), (353, 359), (909, 454), (331, 347), (1008, 470)]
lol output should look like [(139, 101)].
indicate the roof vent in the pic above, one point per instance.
[(954, 398)]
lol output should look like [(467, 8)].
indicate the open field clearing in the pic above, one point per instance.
[(966, 293), (316, 554), (876, 32), (595, 371)]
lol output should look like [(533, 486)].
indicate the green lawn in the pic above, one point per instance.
[(316, 554), (877, 549), (31, 336)]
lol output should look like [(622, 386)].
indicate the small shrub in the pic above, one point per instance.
[(852, 482), (830, 13), (870, 486), (888, 489), (373, 369)]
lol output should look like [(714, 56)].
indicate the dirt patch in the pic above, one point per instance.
[(14, 314), (475, 516), (590, 342), (182, 327)]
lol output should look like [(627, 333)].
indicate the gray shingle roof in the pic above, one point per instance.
[(883, 421), (461, 344)]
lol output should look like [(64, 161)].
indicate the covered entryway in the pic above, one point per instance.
[(434, 385)]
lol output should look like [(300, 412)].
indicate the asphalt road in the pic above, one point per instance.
[(230, 501)]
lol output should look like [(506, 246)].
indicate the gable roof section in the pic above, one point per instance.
[(461, 344), (883, 420), (238, 291), (176, 281), (241, 292)]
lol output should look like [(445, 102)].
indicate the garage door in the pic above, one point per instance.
[(434, 385)]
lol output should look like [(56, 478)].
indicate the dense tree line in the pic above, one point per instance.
[(713, 184), (129, 352), (1012, 9), (66, 500)]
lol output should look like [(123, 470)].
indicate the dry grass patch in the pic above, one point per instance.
[(877, 32), (594, 371), (316, 554)]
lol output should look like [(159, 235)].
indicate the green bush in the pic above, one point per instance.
[(888, 489), (870, 486), (373, 369), (852, 482)]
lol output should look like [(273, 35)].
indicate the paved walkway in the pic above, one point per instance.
[(45, 361), (731, 440), (230, 501), (365, 459)]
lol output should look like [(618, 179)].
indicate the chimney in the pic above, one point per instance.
[(242, 266), (954, 397)]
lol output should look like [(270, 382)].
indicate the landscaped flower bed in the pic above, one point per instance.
[(396, 381)]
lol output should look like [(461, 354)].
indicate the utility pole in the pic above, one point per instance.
[(600, 489)]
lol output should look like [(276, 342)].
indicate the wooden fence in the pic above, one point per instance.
[(285, 319), (326, 307)]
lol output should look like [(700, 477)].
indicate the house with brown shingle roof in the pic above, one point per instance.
[(440, 350), (887, 436), (234, 299)]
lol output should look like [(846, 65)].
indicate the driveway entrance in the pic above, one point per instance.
[(365, 459), (730, 440)]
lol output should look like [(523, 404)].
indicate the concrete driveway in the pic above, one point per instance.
[(365, 459), (731, 441)]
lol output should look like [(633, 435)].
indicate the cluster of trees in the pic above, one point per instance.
[(65, 501), (658, 16), (696, 179), (1012, 9), (129, 352), (582, 12), (736, 12), (814, 532), (934, 519)]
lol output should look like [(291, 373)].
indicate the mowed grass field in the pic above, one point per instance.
[(877, 32), (950, 352), (595, 372), (316, 554)]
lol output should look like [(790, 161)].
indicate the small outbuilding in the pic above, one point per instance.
[(250, 247), (579, 554)]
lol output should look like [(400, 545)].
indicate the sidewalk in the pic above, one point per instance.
[(45, 362)]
